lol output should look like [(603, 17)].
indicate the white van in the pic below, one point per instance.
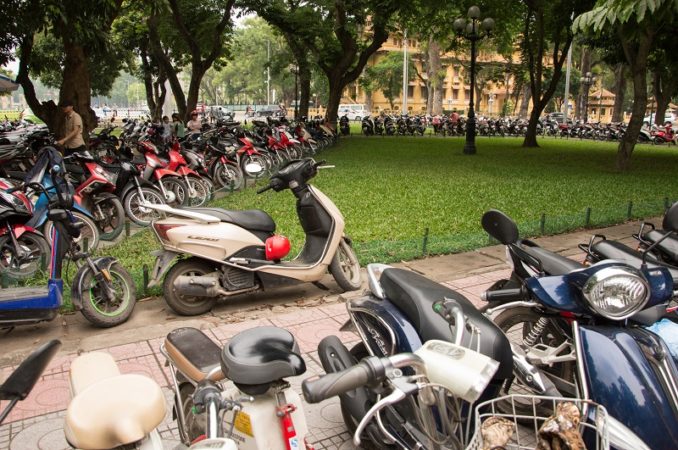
[(353, 111)]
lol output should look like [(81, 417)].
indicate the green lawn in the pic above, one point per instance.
[(391, 190)]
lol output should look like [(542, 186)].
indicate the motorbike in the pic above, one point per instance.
[(242, 383), (666, 249), (101, 288), (586, 324), (95, 193), (344, 125), (367, 126), (233, 252), (22, 248), (170, 183)]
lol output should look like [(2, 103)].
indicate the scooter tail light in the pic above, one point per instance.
[(161, 230)]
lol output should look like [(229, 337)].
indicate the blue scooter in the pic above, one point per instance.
[(598, 320), (101, 289)]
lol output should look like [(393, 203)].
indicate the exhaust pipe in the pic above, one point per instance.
[(199, 286)]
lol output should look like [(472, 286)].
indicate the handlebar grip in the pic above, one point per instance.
[(264, 189), (327, 386), (504, 295)]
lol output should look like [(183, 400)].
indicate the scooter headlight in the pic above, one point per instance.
[(617, 292)]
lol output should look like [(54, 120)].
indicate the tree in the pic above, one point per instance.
[(636, 24), (79, 31), (664, 66), (341, 37), (387, 76), (547, 33)]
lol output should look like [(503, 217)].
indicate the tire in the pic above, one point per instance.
[(201, 190), (137, 213), (195, 423), (36, 247), (225, 174), (109, 215), (176, 186), (90, 232), (345, 267), (182, 304), (516, 323), (100, 312)]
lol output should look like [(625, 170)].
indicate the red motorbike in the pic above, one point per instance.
[(199, 190), (154, 169), (22, 248), (660, 136), (95, 191)]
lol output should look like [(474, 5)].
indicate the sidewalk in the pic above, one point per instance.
[(309, 312)]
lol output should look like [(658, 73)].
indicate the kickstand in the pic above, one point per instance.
[(319, 285)]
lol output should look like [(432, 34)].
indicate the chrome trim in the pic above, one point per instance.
[(362, 333), (622, 438), (489, 311), (578, 352), (374, 272)]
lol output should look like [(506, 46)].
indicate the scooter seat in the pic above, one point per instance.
[(552, 262), (414, 295), (249, 219), (115, 411), (669, 246), (616, 250), (257, 357), (193, 353)]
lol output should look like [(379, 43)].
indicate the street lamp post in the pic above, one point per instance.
[(587, 81), (473, 30)]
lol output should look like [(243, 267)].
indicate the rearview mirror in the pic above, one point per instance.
[(500, 226), (670, 222), (253, 168)]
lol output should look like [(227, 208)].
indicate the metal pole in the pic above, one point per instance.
[(566, 102), (405, 77), (470, 145), (268, 73), (296, 92)]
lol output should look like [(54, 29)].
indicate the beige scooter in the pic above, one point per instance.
[(234, 252)]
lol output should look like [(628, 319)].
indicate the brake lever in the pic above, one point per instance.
[(394, 397)]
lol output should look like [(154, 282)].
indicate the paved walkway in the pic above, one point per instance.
[(37, 422)]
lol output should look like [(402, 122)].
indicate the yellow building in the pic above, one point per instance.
[(600, 105), (456, 91)]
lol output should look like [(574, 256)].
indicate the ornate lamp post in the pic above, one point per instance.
[(587, 81), (473, 30)]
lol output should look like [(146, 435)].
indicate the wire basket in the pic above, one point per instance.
[(593, 426)]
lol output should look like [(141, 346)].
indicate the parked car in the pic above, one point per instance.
[(668, 117), (557, 116), (353, 112)]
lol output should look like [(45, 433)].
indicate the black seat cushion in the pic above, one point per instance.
[(616, 250), (193, 352), (250, 219), (668, 246), (552, 262), (414, 295), (260, 356)]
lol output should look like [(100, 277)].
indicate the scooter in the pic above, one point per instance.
[(242, 383), (593, 322), (233, 252), (101, 288)]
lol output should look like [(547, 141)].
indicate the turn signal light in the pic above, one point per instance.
[(161, 230)]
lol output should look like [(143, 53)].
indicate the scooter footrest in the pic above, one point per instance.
[(193, 353), (19, 294)]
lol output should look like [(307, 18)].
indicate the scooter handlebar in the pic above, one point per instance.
[(505, 295), (327, 386), (264, 189)]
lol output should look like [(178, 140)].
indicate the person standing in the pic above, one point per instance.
[(194, 125), (72, 140), (178, 129)]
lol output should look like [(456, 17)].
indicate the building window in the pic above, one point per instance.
[(424, 92), (410, 91), (602, 111), (593, 110), (455, 94)]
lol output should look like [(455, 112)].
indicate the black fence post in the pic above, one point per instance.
[(145, 276), (587, 217), (667, 204), (43, 262), (85, 244), (127, 229), (542, 223), (425, 243), (629, 210)]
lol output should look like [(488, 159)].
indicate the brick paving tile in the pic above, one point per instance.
[(145, 365), (334, 309), (468, 281), (223, 333), (47, 396), (478, 288), (309, 335), (300, 316), (128, 351)]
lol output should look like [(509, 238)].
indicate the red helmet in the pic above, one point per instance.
[(277, 247)]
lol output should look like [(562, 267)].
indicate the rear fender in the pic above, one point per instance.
[(102, 197), (78, 288), (631, 372)]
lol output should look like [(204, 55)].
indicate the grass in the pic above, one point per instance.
[(13, 115), (391, 190)]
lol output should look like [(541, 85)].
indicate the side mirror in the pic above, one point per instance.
[(500, 226), (254, 168), (670, 222)]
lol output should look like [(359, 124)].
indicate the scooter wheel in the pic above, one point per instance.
[(34, 245), (183, 304), (104, 313), (345, 267)]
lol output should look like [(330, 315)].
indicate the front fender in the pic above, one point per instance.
[(19, 230), (78, 289), (631, 372), (164, 259)]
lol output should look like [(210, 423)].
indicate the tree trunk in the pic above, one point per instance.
[(436, 79), (525, 101), (48, 111), (531, 133), (75, 85), (665, 87), (619, 92), (160, 93), (165, 64), (304, 89), (369, 102), (197, 72), (637, 60), (585, 67), (336, 89)]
